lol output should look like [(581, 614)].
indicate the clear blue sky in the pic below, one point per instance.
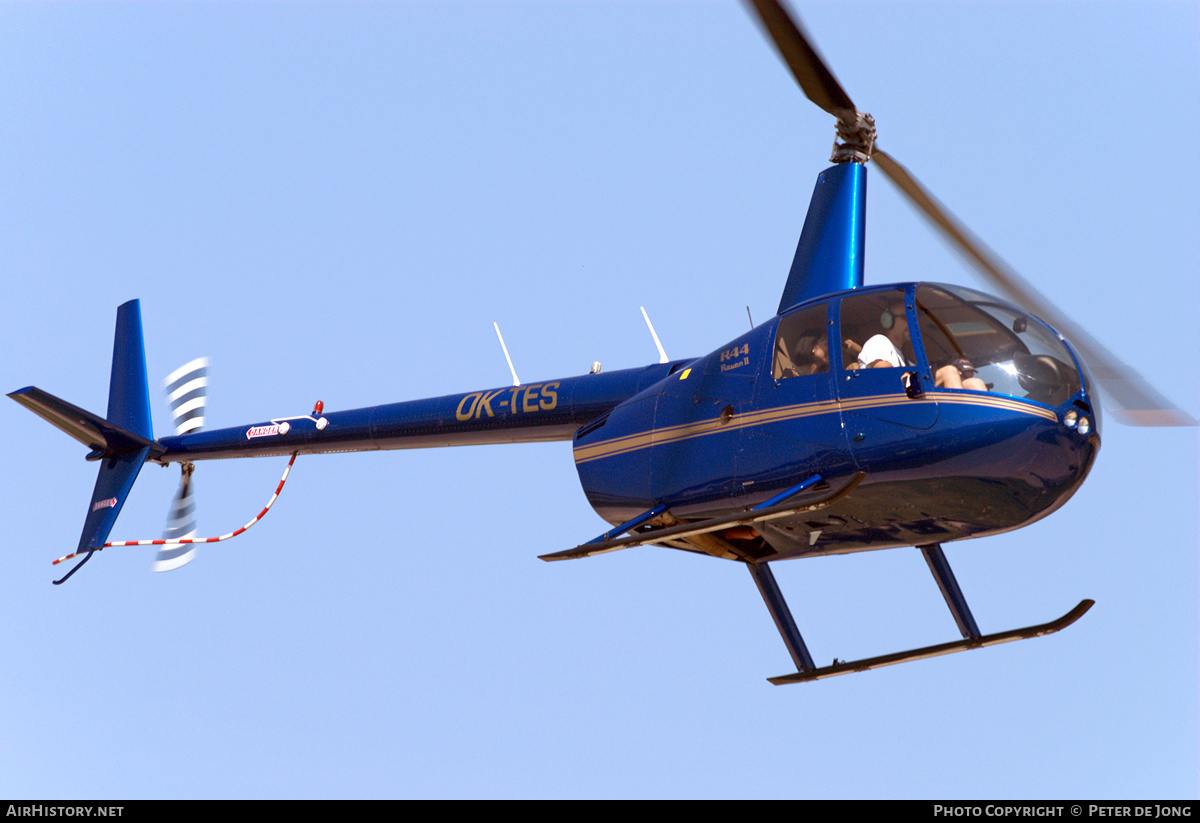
[(335, 201)]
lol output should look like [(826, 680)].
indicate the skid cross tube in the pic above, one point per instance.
[(712, 524)]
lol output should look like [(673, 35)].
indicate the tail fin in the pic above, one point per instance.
[(122, 442)]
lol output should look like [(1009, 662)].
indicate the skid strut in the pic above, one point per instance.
[(940, 567), (777, 606), (972, 639)]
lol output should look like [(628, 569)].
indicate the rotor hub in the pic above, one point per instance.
[(855, 138)]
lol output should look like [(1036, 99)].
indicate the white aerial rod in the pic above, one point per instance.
[(516, 382), (662, 355)]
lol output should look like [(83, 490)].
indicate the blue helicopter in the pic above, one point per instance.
[(857, 418)]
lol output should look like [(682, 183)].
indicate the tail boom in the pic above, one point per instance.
[(531, 413)]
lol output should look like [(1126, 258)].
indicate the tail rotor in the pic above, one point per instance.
[(181, 525), (187, 393), (123, 441)]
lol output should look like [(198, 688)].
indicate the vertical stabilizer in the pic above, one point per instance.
[(128, 388), (829, 256), (128, 409), (113, 484)]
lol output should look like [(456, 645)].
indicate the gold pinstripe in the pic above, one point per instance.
[(688, 431)]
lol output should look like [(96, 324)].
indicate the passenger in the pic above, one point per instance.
[(959, 374), (813, 353)]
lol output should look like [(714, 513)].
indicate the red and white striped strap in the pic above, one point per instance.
[(186, 540)]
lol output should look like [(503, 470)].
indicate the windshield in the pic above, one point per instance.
[(1008, 350)]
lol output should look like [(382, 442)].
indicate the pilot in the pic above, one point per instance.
[(882, 351)]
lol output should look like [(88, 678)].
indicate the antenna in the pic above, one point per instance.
[(748, 314), (662, 355), (516, 382)]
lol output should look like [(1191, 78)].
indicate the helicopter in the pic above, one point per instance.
[(762, 450)]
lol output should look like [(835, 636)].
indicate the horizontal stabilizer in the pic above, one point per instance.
[(91, 430)]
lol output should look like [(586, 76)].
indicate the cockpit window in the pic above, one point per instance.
[(802, 344), (993, 346), (875, 332)]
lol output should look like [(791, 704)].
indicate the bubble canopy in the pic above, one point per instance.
[(969, 341), (1011, 351)]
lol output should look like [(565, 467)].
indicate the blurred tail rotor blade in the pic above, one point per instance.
[(181, 525), (187, 392), (1136, 401)]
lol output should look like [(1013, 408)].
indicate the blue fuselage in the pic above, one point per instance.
[(724, 433), (719, 433)]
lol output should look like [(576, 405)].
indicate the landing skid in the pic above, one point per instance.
[(972, 639), (935, 651)]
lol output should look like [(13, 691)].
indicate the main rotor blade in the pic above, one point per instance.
[(810, 71), (1137, 403)]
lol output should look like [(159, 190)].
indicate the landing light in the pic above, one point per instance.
[(1085, 425), (1071, 418)]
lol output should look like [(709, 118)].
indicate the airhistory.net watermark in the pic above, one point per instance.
[(43, 810)]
